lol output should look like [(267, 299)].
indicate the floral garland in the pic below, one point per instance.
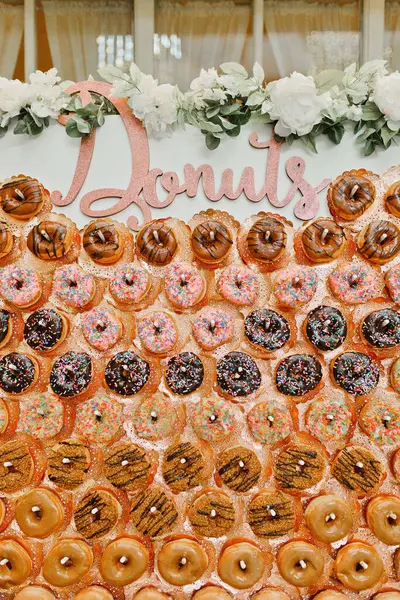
[(220, 102)]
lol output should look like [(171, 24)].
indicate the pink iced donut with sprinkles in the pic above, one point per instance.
[(20, 286), (73, 287), (98, 419), (392, 281), (155, 418), (270, 422), (130, 284), (157, 332), (355, 283), (101, 328), (213, 419), (295, 286), (380, 421), (184, 285), (41, 416), (329, 419), (212, 328), (238, 285)]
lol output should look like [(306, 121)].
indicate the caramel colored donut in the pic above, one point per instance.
[(22, 197), (241, 565), (123, 561), (211, 592), (299, 467), (270, 594), (391, 595), (392, 202), (350, 196), (359, 566), (94, 592), (383, 518), (271, 514), (379, 242), (266, 240), (102, 241), (39, 513), (358, 469), (181, 562), (96, 514), (17, 564), (67, 562), (330, 595), (212, 514), (156, 243), (35, 592), (68, 463), (329, 518), (211, 242), (153, 513), (50, 240), (150, 593), (6, 239), (301, 564), (323, 240), (16, 466)]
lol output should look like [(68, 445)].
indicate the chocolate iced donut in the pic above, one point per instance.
[(326, 328), (355, 372), (266, 329), (68, 464), (183, 467), (45, 329), (182, 561), (271, 514), (212, 514), (383, 518), (299, 467), (358, 566), (298, 374), (241, 565), (239, 468), (211, 592), (379, 241), (211, 242), (392, 199), (93, 592), (67, 562), (358, 469), (381, 328), (96, 514), (18, 372), (301, 564), (127, 466), (238, 374), (22, 197), (6, 327), (16, 466), (323, 240), (50, 240), (39, 513), (266, 240), (103, 242), (35, 592), (71, 374), (153, 513), (350, 196), (156, 243), (15, 564), (329, 518), (184, 373), (127, 373), (6, 239), (123, 561)]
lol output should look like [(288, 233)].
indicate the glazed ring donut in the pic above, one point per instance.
[(6, 239), (383, 518), (379, 241), (39, 513), (20, 286), (391, 595), (241, 565), (359, 566), (67, 562), (22, 197), (212, 592), (211, 242), (15, 564), (392, 199), (301, 564), (50, 240), (93, 592), (323, 240), (35, 592), (353, 283), (150, 593), (350, 196), (123, 561), (381, 328), (330, 595), (266, 240), (156, 243), (355, 372), (102, 242), (18, 373), (158, 332), (182, 562), (270, 594), (329, 518)]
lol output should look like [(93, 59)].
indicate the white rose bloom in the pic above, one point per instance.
[(206, 79), (156, 105), (14, 95), (49, 78), (296, 105), (354, 113), (387, 96)]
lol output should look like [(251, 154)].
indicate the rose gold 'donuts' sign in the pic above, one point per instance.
[(142, 188)]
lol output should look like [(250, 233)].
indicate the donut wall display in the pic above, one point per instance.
[(206, 410)]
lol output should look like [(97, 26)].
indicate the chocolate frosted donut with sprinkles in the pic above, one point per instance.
[(355, 372), (381, 328), (45, 329), (326, 328), (18, 372), (71, 374), (298, 374), (127, 373), (267, 329), (238, 374), (6, 327), (185, 373)]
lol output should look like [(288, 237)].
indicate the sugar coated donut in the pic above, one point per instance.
[(151, 593), (380, 420), (73, 287), (392, 281), (45, 330), (50, 240), (238, 375), (212, 592), (329, 420), (323, 240), (383, 518), (130, 284), (212, 328), (94, 592), (211, 242), (35, 592), (156, 243), (153, 512), (238, 468), (359, 566), (182, 561), (381, 328), (22, 197), (39, 513), (103, 242), (355, 372), (184, 285), (379, 241), (271, 514), (42, 416), (71, 374), (158, 332), (391, 595), (300, 563), (16, 466), (350, 195), (127, 466), (295, 287), (101, 328), (67, 562), (329, 518), (16, 564), (18, 373), (99, 419), (123, 561), (155, 418), (20, 286), (241, 565), (183, 466), (213, 419), (353, 283), (326, 328), (238, 285), (358, 469), (212, 514), (68, 464), (96, 514), (266, 329), (299, 467), (185, 373), (270, 422), (298, 374), (126, 373)]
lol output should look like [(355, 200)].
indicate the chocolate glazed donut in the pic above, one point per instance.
[(211, 242), (6, 239), (381, 328), (22, 198), (379, 241), (266, 240), (350, 196), (392, 199), (49, 240), (323, 240), (102, 241), (156, 243)]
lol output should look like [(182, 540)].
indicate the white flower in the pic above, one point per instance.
[(339, 105), (206, 79), (14, 96), (354, 113), (296, 105), (49, 78), (387, 97), (359, 84)]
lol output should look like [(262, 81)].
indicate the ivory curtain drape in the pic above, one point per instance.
[(11, 29), (392, 32)]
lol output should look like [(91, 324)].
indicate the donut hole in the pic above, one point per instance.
[(18, 284), (101, 327), (392, 520), (6, 562), (66, 562), (72, 283), (301, 565), (362, 565)]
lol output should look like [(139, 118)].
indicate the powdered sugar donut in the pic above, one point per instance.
[(238, 285), (42, 416), (20, 286), (157, 332), (355, 283), (213, 419), (212, 328), (101, 328), (130, 284), (73, 287), (295, 287), (184, 285), (98, 419)]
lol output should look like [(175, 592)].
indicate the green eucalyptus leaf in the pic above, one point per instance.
[(387, 135), (211, 141), (212, 112), (227, 125), (234, 132), (369, 147), (309, 142), (335, 133), (3, 131), (20, 127), (229, 109), (358, 126), (325, 80), (72, 130), (370, 112)]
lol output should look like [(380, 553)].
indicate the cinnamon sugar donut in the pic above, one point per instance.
[(350, 196), (103, 242), (241, 565), (153, 512), (359, 566), (96, 514), (379, 241), (358, 469), (15, 564), (212, 514), (182, 561), (323, 240)]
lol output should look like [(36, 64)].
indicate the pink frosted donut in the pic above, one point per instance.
[(130, 284), (183, 284), (99, 419), (101, 328), (392, 281), (20, 286), (212, 328), (355, 283), (41, 416), (73, 287), (238, 285), (157, 332), (295, 287)]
